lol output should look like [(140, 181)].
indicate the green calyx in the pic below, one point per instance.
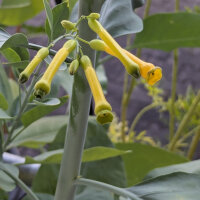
[(133, 70), (68, 25), (98, 45), (94, 16), (104, 116), (73, 67), (85, 61), (43, 53), (70, 45), (23, 77), (41, 89)]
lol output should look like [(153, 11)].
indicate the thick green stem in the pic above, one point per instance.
[(193, 145), (22, 185), (107, 187), (184, 122), (139, 115), (79, 111)]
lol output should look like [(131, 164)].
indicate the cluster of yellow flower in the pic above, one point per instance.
[(133, 65)]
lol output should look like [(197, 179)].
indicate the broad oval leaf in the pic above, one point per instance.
[(3, 102), (59, 12), (145, 158), (167, 31), (174, 186), (4, 115), (39, 133), (40, 111), (6, 183), (118, 18), (90, 154), (189, 167), (16, 15)]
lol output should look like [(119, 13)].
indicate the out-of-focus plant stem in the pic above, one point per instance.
[(127, 90), (184, 122), (79, 111), (193, 145), (173, 87), (139, 115)]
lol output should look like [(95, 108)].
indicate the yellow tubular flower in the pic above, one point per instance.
[(131, 67), (148, 71), (103, 109), (39, 57), (43, 86)]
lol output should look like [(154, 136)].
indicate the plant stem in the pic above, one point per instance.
[(23, 106), (82, 40), (1, 139), (127, 92), (193, 145), (184, 121), (139, 115), (51, 51), (124, 103), (173, 95), (78, 116), (21, 184), (188, 134), (173, 87), (107, 187)]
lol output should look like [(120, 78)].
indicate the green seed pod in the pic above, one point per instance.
[(94, 15), (73, 67), (68, 25)]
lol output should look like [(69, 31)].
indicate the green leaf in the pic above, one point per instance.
[(20, 65), (170, 31), (118, 18), (3, 102), (49, 15), (16, 15), (45, 180), (145, 158), (40, 111), (11, 55), (50, 101), (174, 186), (4, 115), (5, 86), (90, 154), (39, 133), (17, 43), (60, 12), (99, 153), (189, 167), (6, 183)]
